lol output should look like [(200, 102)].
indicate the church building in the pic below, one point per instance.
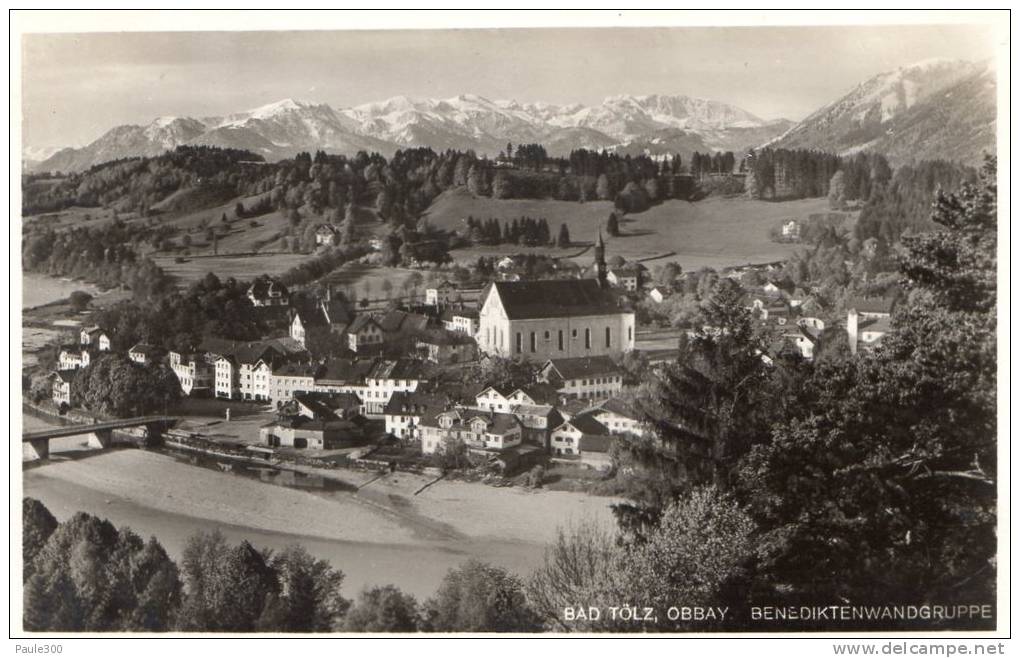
[(541, 320)]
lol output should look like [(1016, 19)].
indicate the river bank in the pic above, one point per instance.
[(379, 534)]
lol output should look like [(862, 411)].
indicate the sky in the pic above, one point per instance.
[(75, 87)]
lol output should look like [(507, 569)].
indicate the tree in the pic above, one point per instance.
[(563, 240), (709, 408), (603, 190), (837, 191), (383, 610), (227, 587), (889, 481), (309, 600), (37, 524), (113, 384), (91, 577), (700, 548), (502, 187), (583, 564), (79, 300), (613, 225), (479, 597)]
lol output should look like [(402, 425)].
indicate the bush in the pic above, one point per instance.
[(536, 476)]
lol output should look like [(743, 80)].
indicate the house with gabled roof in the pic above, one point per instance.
[(583, 377), (405, 409), (566, 438), (619, 417), (142, 353), (95, 338), (483, 432), (268, 291), (63, 380), (868, 321)]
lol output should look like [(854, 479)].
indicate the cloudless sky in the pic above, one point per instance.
[(77, 86)]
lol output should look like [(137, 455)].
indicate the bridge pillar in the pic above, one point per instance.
[(39, 449), (100, 438)]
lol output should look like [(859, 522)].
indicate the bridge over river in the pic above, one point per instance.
[(100, 435)]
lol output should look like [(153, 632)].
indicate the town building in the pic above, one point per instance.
[(566, 438), (659, 294), (868, 320), (194, 372), (326, 235), (446, 347), (72, 357), (404, 411), (482, 432), (291, 379), (268, 291), (627, 276), (583, 377), (95, 338), (462, 320), (63, 380), (619, 417), (142, 353)]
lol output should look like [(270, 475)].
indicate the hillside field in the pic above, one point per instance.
[(715, 232)]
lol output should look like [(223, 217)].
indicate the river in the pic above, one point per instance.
[(38, 289), (100, 483), (417, 570)]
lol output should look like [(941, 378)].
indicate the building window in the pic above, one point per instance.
[(573, 333), (609, 337), (630, 333), (560, 339), (520, 342), (546, 335), (587, 339), (534, 342)]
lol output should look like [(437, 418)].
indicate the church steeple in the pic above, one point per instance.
[(600, 260)]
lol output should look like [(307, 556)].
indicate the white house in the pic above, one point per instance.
[(95, 338), (583, 377), (618, 417), (142, 353), (659, 294), (193, 371), (268, 291), (404, 411), (62, 381), (483, 432), (867, 321), (566, 439)]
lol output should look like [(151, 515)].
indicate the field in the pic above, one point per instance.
[(239, 267), (716, 232)]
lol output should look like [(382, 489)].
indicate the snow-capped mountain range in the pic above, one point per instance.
[(879, 114), (662, 124), (937, 108)]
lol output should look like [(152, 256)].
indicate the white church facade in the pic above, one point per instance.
[(541, 320)]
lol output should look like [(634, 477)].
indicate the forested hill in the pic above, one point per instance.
[(136, 184)]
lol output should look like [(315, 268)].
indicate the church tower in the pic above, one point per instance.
[(600, 261)]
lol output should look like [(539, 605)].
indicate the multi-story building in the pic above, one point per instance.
[(868, 320), (142, 353), (268, 291), (483, 432), (194, 372), (584, 377)]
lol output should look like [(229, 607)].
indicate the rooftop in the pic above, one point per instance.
[(584, 366), (554, 298)]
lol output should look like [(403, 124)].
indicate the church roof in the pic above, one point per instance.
[(525, 300)]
